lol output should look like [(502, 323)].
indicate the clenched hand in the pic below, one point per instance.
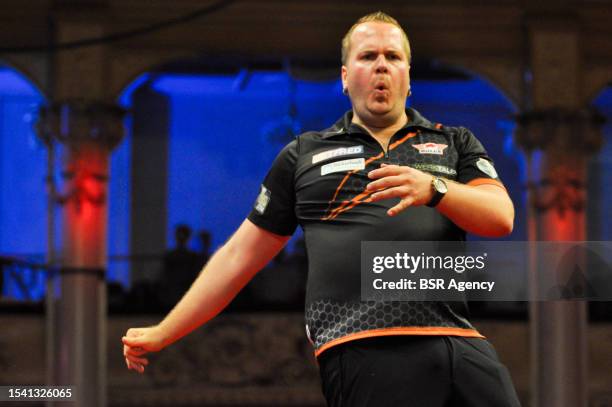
[(137, 342)]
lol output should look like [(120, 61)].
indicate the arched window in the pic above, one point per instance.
[(23, 200)]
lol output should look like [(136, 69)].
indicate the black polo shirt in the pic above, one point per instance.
[(318, 181)]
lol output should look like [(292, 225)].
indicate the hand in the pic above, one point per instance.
[(139, 341), (412, 186)]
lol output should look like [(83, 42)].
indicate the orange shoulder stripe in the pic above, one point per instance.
[(486, 181)]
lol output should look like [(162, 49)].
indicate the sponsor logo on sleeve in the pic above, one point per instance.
[(430, 148), (344, 165), (485, 166), (442, 169), (263, 199), (337, 152)]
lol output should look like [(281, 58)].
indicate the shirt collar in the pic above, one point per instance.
[(344, 125)]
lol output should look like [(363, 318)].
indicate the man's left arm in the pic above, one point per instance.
[(485, 210)]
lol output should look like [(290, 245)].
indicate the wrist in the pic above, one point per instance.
[(161, 335), (439, 188)]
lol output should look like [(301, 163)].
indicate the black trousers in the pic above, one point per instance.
[(415, 371)]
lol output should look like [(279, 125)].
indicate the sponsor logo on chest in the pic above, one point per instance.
[(337, 152), (344, 165), (430, 148)]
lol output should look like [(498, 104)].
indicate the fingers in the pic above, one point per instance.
[(399, 192), (134, 366), (133, 362), (390, 175), (135, 343), (402, 205), (134, 346), (134, 337), (392, 186), (387, 182), (412, 186), (386, 170), (134, 333), (133, 350), (129, 341), (137, 360), (396, 192)]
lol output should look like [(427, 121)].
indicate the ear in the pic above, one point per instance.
[(343, 75), (409, 88)]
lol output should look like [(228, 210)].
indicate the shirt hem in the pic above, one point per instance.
[(434, 331)]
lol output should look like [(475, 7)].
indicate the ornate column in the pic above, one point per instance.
[(81, 126), (82, 134), (558, 143), (558, 135), (149, 181)]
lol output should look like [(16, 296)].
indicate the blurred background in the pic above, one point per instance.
[(134, 135)]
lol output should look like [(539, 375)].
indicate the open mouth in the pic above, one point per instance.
[(381, 91), (381, 87)]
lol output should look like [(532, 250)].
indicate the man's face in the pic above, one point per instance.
[(376, 73)]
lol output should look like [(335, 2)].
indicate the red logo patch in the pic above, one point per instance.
[(430, 148)]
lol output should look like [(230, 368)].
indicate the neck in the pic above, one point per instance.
[(382, 130)]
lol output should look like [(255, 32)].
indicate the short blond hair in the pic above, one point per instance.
[(379, 17)]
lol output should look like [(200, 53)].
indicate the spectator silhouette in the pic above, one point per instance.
[(181, 267), (205, 242), (2, 264)]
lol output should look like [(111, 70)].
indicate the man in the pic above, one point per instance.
[(350, 183), (181, 266)]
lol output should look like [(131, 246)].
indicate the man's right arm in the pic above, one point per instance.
[(226, 273)]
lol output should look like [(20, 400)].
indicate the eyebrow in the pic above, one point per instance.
[(376, 50)]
